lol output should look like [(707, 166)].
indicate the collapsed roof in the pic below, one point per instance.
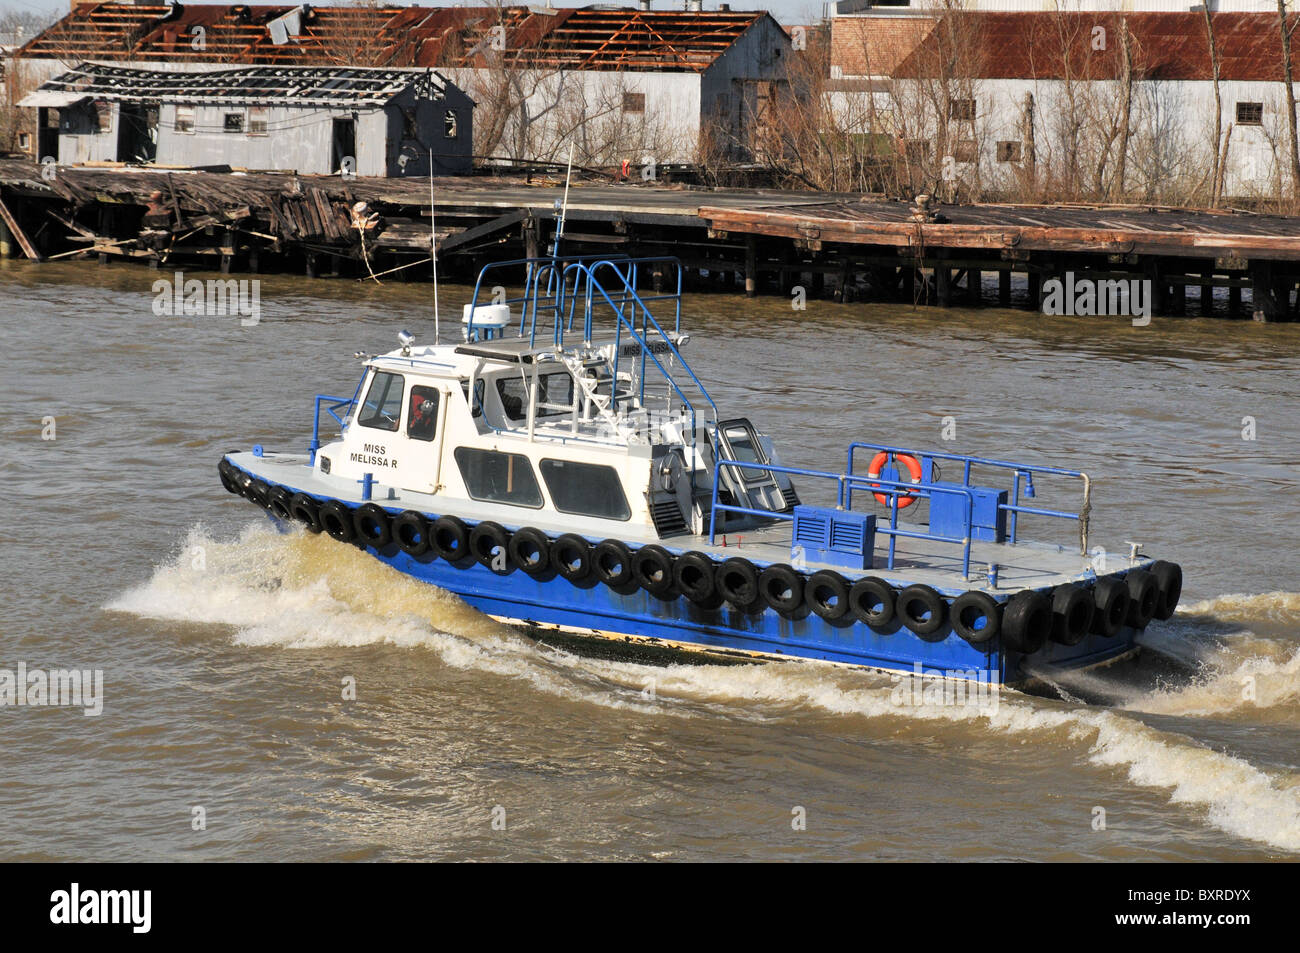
[(588, 38)]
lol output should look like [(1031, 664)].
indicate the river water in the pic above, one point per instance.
[(225, 647)]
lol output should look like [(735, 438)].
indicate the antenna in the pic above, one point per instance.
[(433, 248), (564, 208)]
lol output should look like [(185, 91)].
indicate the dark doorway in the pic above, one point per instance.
[(137, 132), (47, 133), (344, 145)]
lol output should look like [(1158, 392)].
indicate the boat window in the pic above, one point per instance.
[(554, 395), (497, 477), (422, 422), (383, 407), (586, 489), (475, 405), (741, 441)]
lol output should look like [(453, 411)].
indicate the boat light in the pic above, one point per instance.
[(406, 339)]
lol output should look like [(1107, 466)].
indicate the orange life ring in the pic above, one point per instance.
[(913, 467)]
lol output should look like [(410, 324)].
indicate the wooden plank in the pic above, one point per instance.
[(28, 249)]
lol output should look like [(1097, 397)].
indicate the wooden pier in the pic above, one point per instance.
[(756, 241)]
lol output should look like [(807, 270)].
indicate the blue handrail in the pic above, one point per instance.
[(846, 482), (1018, 470), (331, 409)]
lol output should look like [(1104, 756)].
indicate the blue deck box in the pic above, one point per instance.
[(838, 537), (988, 519)]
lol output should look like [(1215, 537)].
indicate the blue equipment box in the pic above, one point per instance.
[(988, 519), (838, 537)]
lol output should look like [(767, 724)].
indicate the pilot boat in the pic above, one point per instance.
[(560, 466)]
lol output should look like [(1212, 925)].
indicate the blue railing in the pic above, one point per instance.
[(332, 409), (1019, 471), (846, 483)]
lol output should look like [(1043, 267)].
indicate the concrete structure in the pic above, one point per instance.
[(309, 119), (619, 84)]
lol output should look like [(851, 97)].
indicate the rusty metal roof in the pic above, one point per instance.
[(1166, 46), (587, 38)]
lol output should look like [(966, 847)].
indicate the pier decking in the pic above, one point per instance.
[(766, 241)]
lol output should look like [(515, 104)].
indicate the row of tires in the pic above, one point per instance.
[(1066, 614)]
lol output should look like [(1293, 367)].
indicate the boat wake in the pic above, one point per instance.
[(297, 591)]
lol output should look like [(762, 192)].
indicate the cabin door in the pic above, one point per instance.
[(426, 417)]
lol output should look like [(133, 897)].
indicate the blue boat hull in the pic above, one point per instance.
[(595, 610)]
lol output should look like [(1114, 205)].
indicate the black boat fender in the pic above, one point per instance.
[(303, 508), (1169, 577), (652, 568), (256, 491), (611, 560), (571, 557), (693, 576), (1143, 598), (227, 472), (1110, 598), (490, 544), (336, 519), (1026, 621), (1072, 609), (449, 538), (872, 601), (530, 550), (737, 582), (976, 616), (922, 609), (371, 525), (827, 594), (411, 533), (782, 588), (277, 501)]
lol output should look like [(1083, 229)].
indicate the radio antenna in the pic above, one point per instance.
[(433, 249)]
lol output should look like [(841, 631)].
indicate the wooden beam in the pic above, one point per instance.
[(28, 249)]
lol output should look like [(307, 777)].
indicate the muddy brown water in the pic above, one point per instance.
[(225, 647)]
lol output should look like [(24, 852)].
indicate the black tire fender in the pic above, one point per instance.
[(303, 508), (449, 538), (1143, 598), (782, 588), (571, 557), (411, 533), (277, 501), (922, 609), (737, 582), (976, 617), (693, 576), (611, 561), (490, 544), (530, 550), (1072, 609), (371, 524), (873, 602), (827, 594), (1110, 601), (1169, 577), (1026, 621), (336, 520), (652, 568)]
